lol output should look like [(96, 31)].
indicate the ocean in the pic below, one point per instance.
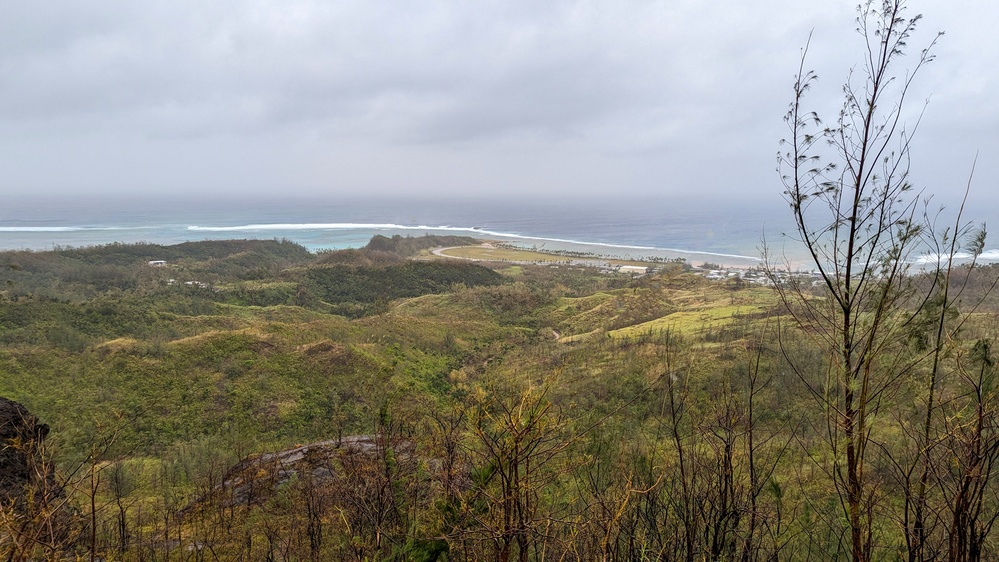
[(715, 231)]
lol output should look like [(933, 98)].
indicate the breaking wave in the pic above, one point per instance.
[(444, 228), (986, 256)]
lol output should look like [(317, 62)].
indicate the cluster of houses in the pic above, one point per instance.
[(172, 282), (196, 284), (757, 276)]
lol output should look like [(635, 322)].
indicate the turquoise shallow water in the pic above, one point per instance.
[(698, 230)]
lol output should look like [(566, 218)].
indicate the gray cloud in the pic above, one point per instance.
[(636, 96)]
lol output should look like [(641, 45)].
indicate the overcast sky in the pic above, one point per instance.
[(345, 97)]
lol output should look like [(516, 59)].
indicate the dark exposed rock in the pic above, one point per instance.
[(21, 435), (28, 486), (324, 463)]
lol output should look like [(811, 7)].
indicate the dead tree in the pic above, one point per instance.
[(849, 191)]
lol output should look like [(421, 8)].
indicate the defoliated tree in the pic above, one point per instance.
[(847, 184)]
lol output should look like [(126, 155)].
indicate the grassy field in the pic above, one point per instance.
[(694, 322), (489, 253), (700, 313)]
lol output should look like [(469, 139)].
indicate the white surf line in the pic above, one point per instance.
[(472, 230)]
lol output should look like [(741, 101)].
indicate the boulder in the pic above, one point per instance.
[(21, 436), (343, 462)]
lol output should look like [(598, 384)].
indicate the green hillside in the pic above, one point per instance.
[(451, 410)]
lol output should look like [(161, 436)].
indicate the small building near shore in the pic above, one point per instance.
[(636, 269)]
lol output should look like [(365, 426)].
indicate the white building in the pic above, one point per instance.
[(640, 270)]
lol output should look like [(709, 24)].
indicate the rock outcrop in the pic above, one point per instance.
[(21, 436), (344, 463)]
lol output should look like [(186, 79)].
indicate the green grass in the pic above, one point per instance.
[(486, 253), (709, 311)]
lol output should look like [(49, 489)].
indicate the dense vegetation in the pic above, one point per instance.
[(542, 413), (357, 288)]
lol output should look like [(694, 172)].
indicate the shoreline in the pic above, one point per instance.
[(657, 255), (589, 258), (336, 236)]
